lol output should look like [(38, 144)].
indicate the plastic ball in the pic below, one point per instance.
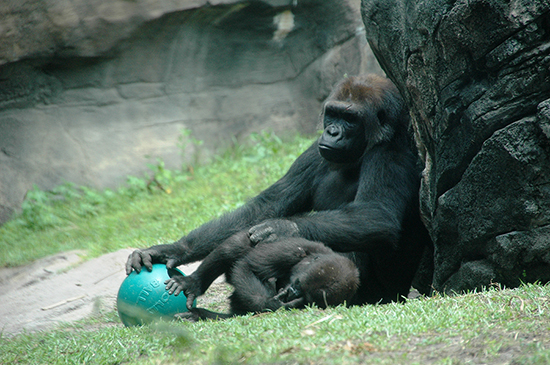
[(142, 298)]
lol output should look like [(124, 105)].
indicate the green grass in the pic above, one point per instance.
[(142, 212), (492, 327)]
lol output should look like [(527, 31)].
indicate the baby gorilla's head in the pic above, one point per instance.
[(326, 280)]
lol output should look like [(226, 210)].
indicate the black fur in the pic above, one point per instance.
[(289, 273), (365, 206)]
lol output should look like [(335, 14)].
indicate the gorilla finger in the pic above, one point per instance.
[(130, 267), (272, 238), (260, 236), (296, 303), (260, 232), (171, 263), (178, 290), (257, 228), (133, 262), (147, 261), (254, 238), (170, 285), (282, 294), (190, 299)]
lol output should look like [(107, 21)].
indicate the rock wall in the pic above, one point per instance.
[(476, 74), (90, 91)]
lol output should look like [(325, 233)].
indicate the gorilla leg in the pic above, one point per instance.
[(218, 262)]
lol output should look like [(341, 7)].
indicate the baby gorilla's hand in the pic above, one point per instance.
[(186, 284), (273, 230), (177, 284), (291, 296)]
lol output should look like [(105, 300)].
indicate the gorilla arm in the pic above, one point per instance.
[(288, 196), (388, 188)]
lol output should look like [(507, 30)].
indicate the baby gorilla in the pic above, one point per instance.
[(288, 273)]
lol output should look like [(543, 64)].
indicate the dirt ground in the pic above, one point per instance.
[(66, 288)]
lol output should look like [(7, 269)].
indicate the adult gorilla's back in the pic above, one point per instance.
[(355, 190)]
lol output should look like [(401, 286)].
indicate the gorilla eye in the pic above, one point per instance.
[(349, 120), (381, 116)]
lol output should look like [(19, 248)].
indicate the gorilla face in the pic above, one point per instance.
[(343, 139)]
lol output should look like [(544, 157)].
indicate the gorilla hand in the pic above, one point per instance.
[(192, 316), (172, 255), (272, 230), (291, 296), (189, 285)]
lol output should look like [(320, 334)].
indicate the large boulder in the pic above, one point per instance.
[(476, 74), (92, 90)]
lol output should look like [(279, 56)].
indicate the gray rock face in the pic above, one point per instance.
[(93, 90), (477, 77)]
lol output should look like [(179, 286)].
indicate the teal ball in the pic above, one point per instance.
[(142, 298)]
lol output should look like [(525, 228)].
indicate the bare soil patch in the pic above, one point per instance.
[(66, 288)]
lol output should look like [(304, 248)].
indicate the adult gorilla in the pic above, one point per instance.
[(355, 190)]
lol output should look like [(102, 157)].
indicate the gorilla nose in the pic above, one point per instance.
[(334, 131)]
